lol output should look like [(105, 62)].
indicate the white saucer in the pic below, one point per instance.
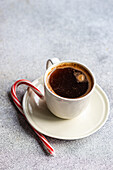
[(88, 122)]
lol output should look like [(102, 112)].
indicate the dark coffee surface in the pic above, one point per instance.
[(68, 82)]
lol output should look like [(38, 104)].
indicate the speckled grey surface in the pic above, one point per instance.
[(30, 33)]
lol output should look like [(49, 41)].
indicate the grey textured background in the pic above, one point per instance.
[(30, 33)]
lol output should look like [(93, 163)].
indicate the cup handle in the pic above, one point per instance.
[(51, 62)]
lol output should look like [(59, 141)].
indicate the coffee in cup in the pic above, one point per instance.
[(70, 80)]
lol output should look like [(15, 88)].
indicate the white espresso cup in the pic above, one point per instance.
[(62, 107), (66, 108)]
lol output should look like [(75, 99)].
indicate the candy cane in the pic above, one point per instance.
[(19, 106)]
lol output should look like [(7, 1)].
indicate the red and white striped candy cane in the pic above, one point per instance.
[(19, 106)]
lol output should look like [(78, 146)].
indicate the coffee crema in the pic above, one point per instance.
[(70, 80)]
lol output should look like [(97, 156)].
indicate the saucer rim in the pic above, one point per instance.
[(95, 129)]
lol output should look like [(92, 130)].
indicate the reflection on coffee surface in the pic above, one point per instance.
[(70, 81)]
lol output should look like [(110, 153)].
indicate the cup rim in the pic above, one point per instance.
[(70, 99)]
